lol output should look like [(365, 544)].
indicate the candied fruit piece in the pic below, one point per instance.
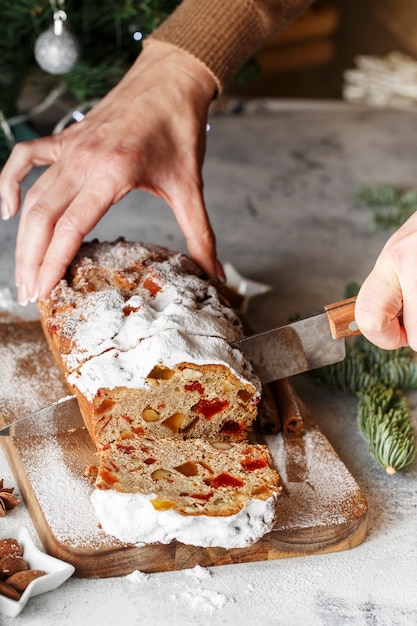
[(209, 408), (189, 468), (108, 477), (262, 491), (250, 465), (127, 310), (244, 395), (125, 449), (105, 406), (226, 480), (160, 372), (233, 428), (194, 386), (163, 505), (151, 286), (174, 421), (200, 496)]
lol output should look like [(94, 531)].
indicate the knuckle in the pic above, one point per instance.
[(67, 225), (38, 215), (20, 151), (115, 163), (32, 194)]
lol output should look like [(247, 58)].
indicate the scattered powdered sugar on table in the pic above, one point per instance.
[(137, 577), (206, 600), (199, 598), (199, 572)]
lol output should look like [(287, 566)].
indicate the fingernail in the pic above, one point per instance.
[(23, 296), (5, 212), (221, 276), (35, 293)]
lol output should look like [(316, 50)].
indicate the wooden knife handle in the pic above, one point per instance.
[(341, 317)]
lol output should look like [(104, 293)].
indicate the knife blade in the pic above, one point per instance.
[(303, 345), (61, 416)]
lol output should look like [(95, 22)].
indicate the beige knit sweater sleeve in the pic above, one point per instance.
[(223, 34)]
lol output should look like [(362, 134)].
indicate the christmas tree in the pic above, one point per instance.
[(109, 34)]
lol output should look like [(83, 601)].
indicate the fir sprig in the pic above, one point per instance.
[(389, 205), (378, 378), (385, 420)]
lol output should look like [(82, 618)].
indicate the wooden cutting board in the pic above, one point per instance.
[(321, 509)]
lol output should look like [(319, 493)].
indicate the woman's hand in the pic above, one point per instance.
[(148, 133), (386, 307)]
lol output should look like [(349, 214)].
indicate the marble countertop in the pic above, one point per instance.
[(280, 181)]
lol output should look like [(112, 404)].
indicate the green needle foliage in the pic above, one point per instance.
[(389, 205), (378, 378), (384, 419)]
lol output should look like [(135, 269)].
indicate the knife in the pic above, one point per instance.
[(303, 345), (63, 415), (279, 353)]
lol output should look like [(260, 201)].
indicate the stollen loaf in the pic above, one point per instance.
[(143, 339)]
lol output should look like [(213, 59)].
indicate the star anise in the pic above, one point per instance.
[(7, 500)]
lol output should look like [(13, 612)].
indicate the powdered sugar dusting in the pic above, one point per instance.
[(24, 387), (206, 600), (201, 573), (137, 577), (131, 518), (127, 309), (318, 497), (63, 494)]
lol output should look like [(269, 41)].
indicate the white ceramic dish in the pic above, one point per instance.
[(56, 571)]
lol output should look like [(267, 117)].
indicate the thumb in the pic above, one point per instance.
[(378, 311)]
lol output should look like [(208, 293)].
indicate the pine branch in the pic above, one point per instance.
[(385, 420), (389, 205), (378, 377)]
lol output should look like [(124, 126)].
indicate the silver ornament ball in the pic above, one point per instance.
[(57, 54)]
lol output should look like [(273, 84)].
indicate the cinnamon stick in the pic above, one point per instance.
[(288, 408)]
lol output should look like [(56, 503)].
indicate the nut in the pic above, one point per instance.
[(190, 374), (9, 591), (21, 580), (11, 564), (150, 415), (221, 445), (10, 546), (240, 497), (160, 473)]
